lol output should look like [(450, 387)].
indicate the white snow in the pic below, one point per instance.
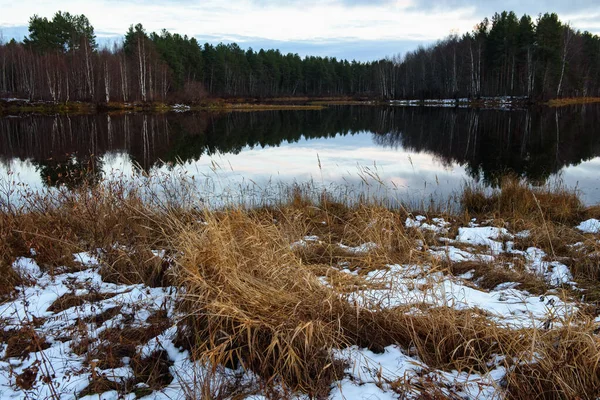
[(554, 272), (438, 225), (411, 286), (305, 241), (70, 374), (589, 226), (484, 236), (457, 255), (363, 248), (367, 376), (371, 376)]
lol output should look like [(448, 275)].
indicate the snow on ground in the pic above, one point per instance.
[(413, 286), (368, 375), (363, 248), (438, 225), (498, 241), (589, 226), (373, 376), (304, 242), (458, 255), (554, 272), (484, 236), (69, 373)]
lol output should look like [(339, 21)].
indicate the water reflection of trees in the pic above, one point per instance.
[(73, 172), (531, 143)]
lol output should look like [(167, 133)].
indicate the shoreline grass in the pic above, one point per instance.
[(278, 290), (74, 108), (563, 102)]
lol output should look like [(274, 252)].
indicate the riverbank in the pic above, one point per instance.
[(106, 293), (573, 101), (19, 106)]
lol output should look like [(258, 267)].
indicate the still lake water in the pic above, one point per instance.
[(418, 154)]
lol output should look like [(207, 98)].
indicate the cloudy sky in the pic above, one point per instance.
[(353, 29)]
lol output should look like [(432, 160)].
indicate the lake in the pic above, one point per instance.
[(408, 153)]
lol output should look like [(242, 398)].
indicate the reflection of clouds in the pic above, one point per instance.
[(350, 163), (117, 165), (586, 178), (343, 162), (23, 171)]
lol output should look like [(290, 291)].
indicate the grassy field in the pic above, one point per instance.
[(275, 295)]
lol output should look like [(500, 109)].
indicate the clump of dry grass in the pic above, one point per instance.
[(488, 275), (9, 279), (10, 249), (136, 264), (516, 200), (153, 371), (69, 300), (564, 364), (442, 337), (21, 342), (250, 301), (101, 384), (53, 226), (339, 226), (27, 378)]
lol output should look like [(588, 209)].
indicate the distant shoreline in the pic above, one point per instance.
[(19, 106)]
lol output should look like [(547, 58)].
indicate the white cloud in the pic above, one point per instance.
[(271, 20), (360, 29)]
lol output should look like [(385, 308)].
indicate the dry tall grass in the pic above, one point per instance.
[(250, 301), (256, 300), (516, 200)]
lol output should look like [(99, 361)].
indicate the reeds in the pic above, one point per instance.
[(517, 200)]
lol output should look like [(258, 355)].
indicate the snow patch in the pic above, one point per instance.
[(589, 226), (484, 236)]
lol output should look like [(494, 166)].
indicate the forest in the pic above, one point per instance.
[(60, 61)]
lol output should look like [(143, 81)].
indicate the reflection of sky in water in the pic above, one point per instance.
[(585, 177), (350, 160), (353, 163)]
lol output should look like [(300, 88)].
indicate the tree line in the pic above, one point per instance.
[(60, 60), (504, 56)]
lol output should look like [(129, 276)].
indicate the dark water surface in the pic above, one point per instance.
[(417, 153)]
